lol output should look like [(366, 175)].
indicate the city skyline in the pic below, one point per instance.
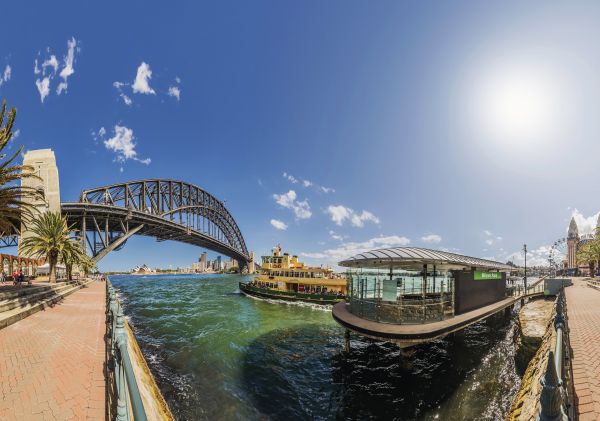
[(330, 129)]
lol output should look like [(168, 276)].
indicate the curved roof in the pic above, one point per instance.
[(416, 257)]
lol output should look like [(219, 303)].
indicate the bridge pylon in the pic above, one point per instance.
[(43, 162)]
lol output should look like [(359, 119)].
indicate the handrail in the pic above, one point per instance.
[(120, 363), (556, 398)]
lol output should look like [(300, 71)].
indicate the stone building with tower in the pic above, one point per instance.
[(574, 241), (43, 163)]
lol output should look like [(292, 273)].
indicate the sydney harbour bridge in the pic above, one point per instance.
[(106, 217)]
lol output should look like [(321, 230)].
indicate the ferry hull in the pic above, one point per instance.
[(289, 296)]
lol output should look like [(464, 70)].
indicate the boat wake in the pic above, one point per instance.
[(314, 306)]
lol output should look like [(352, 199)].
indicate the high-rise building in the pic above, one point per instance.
[(203, 262)]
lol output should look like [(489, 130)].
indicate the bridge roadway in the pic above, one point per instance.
[(406, 335)]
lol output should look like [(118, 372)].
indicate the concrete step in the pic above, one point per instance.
[(10, 317), (12, 291), (36, 294)]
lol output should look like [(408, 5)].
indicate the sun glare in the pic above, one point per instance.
[(517, 105)]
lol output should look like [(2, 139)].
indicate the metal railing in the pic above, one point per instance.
[(556, 399), (519, 290), (129, 401)]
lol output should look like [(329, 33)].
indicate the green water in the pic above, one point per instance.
[(219, 355)]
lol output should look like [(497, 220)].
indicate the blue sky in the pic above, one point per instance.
[(465, 126)]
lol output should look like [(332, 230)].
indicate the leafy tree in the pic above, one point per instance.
[(50, 238), (589, 254), (15, 205)]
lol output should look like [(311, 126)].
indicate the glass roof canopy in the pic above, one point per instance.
[(413, 258)]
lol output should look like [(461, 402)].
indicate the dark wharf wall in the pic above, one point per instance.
[(470, 294)]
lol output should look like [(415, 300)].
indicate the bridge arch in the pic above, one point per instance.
[(162, 208)]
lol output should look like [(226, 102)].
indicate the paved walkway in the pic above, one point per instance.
[(583, 309), (52, 363)]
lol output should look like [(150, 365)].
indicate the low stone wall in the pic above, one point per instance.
[(154, 403), (525, 406), (533, 321)]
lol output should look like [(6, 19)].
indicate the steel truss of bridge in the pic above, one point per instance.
[(160, 208)]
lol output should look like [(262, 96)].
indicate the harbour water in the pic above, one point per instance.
[(219, 355)]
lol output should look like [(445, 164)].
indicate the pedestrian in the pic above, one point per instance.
[(15, 277), (2, 277)]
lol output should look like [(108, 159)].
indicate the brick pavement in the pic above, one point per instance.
[(583, 309), (52, 363)]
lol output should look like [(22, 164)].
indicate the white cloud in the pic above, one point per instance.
[(68, 69), (535, 257), (290, 178), (347, 250), (174, 92), (141, 83), (68, 60), (280, 225), (43, 87), (50, 62), (306, 183), (340, 213), (288, 200), (102, 131), (431, 238), (359, 220), (314, 255), (128, 101), (585, 225), (491, 239), (285, 199), (122, 143), (5, 76), (50, 67), (177, 79), (16, 133), (337, 236)]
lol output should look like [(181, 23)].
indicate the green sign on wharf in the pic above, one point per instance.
[(484, 276)]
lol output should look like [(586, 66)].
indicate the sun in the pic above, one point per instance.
[(516, 104)]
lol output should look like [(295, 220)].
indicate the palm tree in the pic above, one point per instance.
[(50, 238), (16, 201), (87, 264), (72, 254)]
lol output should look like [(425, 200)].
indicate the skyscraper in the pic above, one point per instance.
[(203, 262)]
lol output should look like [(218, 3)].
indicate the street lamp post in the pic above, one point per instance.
[(525, 277)]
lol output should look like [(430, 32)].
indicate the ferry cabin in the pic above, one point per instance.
[(283, 272)]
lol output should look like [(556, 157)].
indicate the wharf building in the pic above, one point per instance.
[(410, 295)]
